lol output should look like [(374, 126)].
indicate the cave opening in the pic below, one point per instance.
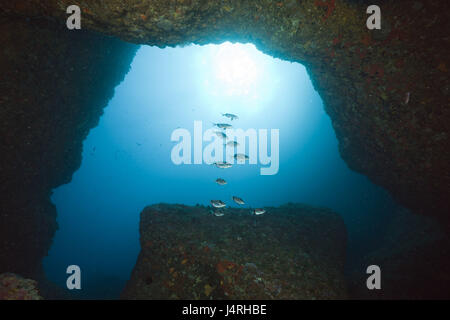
[(127, 161)]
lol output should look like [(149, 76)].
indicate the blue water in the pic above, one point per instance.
[(127, 158)]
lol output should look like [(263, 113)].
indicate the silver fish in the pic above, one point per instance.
[(222, 125), (258, 211), (218, 203), (230, 116), (232, 143), (221, 181), (238, 200), (220, 134), (216, 213), (222, 165), (408, 95), (241, 156)]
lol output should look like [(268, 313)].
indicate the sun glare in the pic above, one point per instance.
[(234, 68), (236, 74)]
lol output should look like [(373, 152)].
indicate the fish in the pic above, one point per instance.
[(238, 200), (241, 156), (258, 211), (222, 125), (230, 116), (218, 203), (220, 134), (222, 165), (232, 143), (221, 181), (216, 213), (408, 95)]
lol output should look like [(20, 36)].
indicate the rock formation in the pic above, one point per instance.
[(14, 287), (54, 85), (386, 91), (290, 252)]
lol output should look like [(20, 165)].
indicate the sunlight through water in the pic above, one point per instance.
[(235, 71)]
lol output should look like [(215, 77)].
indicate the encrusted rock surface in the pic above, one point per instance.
[(290, 252), (14, 287), (54, 85)]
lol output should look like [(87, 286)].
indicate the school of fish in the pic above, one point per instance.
[(219, 205)]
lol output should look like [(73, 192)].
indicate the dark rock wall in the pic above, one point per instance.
[(54, 85), (414, 258)]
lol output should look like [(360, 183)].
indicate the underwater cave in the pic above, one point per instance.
[(87, 170), (130, 150)]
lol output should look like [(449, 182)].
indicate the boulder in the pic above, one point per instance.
[(290, 252)]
